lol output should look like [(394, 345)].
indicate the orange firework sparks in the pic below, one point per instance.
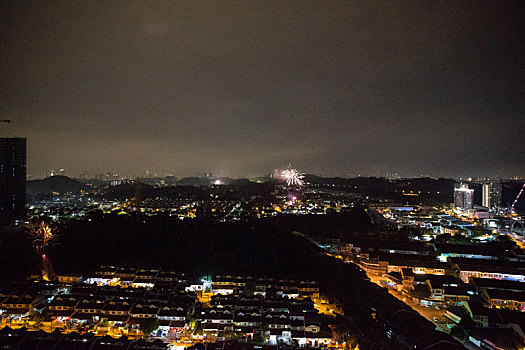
[(41, 235)]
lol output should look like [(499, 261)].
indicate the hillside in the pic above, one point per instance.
[(60, 184)]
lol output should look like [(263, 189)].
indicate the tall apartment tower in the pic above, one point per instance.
[(12, 178), (463, 197), (491, 195)]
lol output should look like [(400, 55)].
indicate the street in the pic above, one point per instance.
[(430, 313)]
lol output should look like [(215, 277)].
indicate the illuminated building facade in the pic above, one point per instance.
[(491, 195), (463, 197), (12, 178)]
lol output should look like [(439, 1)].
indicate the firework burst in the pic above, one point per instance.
[(292, 177), (42, 237)]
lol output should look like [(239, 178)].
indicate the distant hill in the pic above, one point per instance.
[(58, 183), (243, 182), (194, 181)]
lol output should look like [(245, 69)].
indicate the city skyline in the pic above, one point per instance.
[(240, 89), (270, 174)]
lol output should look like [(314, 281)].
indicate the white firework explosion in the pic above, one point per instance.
[(293, 177)]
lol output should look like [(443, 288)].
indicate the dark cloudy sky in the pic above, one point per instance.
[(242, 88)]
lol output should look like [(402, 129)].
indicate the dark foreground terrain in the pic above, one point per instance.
[(275, 247)]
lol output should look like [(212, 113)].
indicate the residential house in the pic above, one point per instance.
[(62, 306), (507, 299)]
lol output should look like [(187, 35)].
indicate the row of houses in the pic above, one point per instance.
[(225, 284), (491, 269), (447, 289), (263, 286), (443, 289), (119, 308), (423, 264), (283, 320), (494, 327), (497, 309), (21, 338), (391, 262), (129, 276), (442, 251), (501, 294), (101, 308)]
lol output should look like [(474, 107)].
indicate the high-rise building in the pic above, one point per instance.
[(485, 195), (12, 178), (491, 195), (463, 197)]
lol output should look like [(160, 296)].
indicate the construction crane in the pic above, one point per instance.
[(511, 210)]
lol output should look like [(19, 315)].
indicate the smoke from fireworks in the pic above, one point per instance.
[(293, 177)]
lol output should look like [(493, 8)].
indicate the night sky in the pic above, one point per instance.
[(242, 88)]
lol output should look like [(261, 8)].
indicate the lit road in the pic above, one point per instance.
[(430, 313)]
